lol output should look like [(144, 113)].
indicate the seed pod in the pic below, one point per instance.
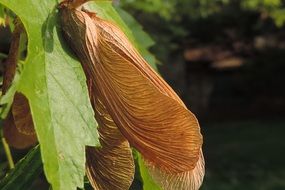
[(111, 166), (18, 127), (14, 137), (143, 106)]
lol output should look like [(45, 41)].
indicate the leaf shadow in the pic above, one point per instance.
[(63, 42), (50, 23), (48, 31)]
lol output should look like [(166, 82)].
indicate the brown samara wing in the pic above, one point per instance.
[(142, 105), (110, 166)]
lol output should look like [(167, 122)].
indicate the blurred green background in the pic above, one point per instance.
[(225, 59)]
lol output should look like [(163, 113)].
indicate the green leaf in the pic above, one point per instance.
[(142, 39), (278, 16), (55, 85), (2, 16), (6, 100), (26, 170), (147, 180), (128, 25)]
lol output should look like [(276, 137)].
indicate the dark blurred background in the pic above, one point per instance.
[(225, 58)]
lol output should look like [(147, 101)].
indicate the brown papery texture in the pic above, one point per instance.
[(22, 115), (18, 127), (15, 138), (142, 105), (111, 166), (188, 180)]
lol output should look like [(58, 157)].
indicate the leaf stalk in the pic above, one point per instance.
[(8, 153)]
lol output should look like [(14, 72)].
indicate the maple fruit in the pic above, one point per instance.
[(134, 99)]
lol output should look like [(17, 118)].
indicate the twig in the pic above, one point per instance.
[(8, 153)]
